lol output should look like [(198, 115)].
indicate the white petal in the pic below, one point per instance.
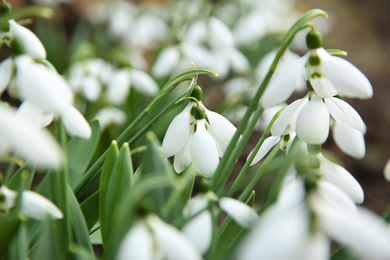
[(119, 87), (286, 121), (293, 190), (199, 231), (142, 82), (166, 62), (349, 140), (348, 80), (265, 148), (238, 60), (75, 123), (43, 87), (323, 87), (5, 73), (137, 243), (220, 35), (177, 133), (110, 115), (317, 247), (91, 88), (27, 111), (313, 122), (38, 207), (171, 241), (32, 45), (183, 157), (342, 179), (365, 233), (221, 129), (204, 150), (283, 84), (386, 171), (241, 213), (344, 113), (196, 204)]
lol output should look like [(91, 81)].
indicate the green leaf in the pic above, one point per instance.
[(79, 152), (155, 164), (343, 254), (9, 226), (119, 185), (23, 174), (90, 208), (108, 165), (79, 225)]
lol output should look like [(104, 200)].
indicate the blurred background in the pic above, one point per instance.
[(360, 27)]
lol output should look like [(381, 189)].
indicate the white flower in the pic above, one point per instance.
[(151, 238), (31, 44), (34, 205), (5, 74), (199, 228), (110, 115), (190, 139), (386, 171), (332, 75), (27, 140)]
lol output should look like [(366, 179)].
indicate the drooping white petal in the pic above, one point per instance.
[(32, 45), (265, 148), (342, 179), (366, 234), (28, 141), (43, 87), (183, 157), (27, 111), (221, 129), (286, 121), (198, 203), (204, 150), (293, 190), (283, 84), (386, 171), (317, 247), (110, 115), (241, 213), (344, 113), (279, 234), (172, 242), (323, 87), (142, 82), (75, 123), (313, 121), (119, 87), (220, 35), (348, 80), (349, 140), (166, 62), (199, 231), (177, 133), (91, 88), (328, 197), (5, 73), (137, 243), (239, 62), (38, 207)]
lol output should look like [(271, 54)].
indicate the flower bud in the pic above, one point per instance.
[(5, 8), (314, 40)]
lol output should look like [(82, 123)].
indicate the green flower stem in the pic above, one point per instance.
[(93, 172), (224, 168), (245, 168), (28, 11)]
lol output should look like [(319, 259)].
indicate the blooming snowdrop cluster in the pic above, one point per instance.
[(109, 148)]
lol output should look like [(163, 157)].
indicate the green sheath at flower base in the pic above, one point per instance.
[(17, 47), (197, 93), (198, 112), (5, 8), (314, 40)]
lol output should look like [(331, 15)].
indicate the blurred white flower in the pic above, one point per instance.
[(34, 205), (27, 140), (110, 115), (202, 140), (199, 228), (151, 238), (386, 171)]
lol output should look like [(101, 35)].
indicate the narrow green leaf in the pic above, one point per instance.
[(23, 174), (343, 254), (108, 166), (79, 225), (8, 229), (79, 152), (90, 208)]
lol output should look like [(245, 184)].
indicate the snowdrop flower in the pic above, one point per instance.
[(151, 238), (199, 228), (27, 140), (49, 92), (386, 171), (197, 134), (34, 205), (328, 76), (110, 115)]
